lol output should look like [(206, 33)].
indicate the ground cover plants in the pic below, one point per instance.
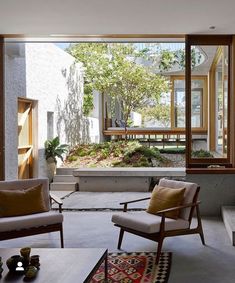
[(119, 154)]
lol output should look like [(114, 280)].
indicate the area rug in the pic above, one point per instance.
[(135, 268)]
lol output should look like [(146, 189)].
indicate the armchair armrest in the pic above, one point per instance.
[(57, 200), (125, 203), (178, 207)]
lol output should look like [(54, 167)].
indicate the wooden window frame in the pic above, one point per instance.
[(195, 130), (221, 40)]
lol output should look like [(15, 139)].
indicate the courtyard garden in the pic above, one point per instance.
[(124, 154)]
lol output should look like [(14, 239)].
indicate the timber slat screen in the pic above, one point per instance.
[(164, 137)]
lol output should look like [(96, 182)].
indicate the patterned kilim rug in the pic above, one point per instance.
[(135, 268)]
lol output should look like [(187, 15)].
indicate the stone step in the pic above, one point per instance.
[(65, 171), (65, 178), (228, 214), (62, 186)]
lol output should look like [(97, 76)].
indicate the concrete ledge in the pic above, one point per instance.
[(228, 214), (130, 172), (114, 184), (122, 179)]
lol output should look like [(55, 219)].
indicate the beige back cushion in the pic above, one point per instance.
[(22, 202), (190, 191), (164, 198), (28, 183)]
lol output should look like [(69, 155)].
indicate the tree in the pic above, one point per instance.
[(135, 84), (112, 69), (98, 73)]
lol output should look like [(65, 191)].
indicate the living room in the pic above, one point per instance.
[(132, 21)]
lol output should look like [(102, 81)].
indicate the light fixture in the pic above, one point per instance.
[(212, 27)]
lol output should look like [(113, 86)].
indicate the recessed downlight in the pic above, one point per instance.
[(212, 27)]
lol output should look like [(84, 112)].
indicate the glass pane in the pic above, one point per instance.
[(219, 106), (197, 103), (212, 140), (179, 103)]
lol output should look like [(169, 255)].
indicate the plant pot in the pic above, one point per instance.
[(51, 168), (13, 263)]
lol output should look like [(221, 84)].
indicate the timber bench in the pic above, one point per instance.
[(121, 179)]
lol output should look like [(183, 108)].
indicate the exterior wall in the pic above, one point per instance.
[(15, 85), (45, 73), (96, 134), (216, 190)]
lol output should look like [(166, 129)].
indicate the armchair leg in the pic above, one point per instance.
[(159, 250), (120, 238), (200, 225), (61, 237), (202, 237)]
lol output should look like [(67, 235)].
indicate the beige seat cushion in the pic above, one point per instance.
[(28, 221), (146, 222), (22, 202), (164, 198)]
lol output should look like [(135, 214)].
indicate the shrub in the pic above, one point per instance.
[(72, 158), (174, 150), (202, 154)]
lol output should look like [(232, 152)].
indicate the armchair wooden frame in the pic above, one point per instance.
[(162, 234), (37, 230)]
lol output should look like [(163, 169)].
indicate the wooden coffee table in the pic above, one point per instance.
[(59, 265)]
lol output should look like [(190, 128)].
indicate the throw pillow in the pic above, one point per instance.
[(163, 198), (22, 202)]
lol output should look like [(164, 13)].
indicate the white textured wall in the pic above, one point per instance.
[(14, 86), (43, 72)]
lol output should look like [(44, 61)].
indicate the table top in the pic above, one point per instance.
[(72, 265)]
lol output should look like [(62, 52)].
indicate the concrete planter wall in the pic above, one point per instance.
[(216, 191)]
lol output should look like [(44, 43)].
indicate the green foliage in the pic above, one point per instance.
[(161, 112), (88, 104), (167, 60), (174, 150), (72, 158), (170, 58), (202, 154), (54, 149)]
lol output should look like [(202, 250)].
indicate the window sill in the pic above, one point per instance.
[(210, 170)]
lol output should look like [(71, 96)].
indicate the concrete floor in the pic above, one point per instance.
[(191, 263), (101, 200)]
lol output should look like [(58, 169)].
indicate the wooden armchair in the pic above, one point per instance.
[(37, 223), (158, 227)]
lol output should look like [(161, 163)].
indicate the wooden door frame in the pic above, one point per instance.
[(2, 112), (28, 147)]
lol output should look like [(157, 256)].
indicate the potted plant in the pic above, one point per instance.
[(54, 149)]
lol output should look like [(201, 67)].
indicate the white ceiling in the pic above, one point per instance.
[(97, 17)]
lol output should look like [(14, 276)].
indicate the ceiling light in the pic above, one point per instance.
[(212, 27)]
